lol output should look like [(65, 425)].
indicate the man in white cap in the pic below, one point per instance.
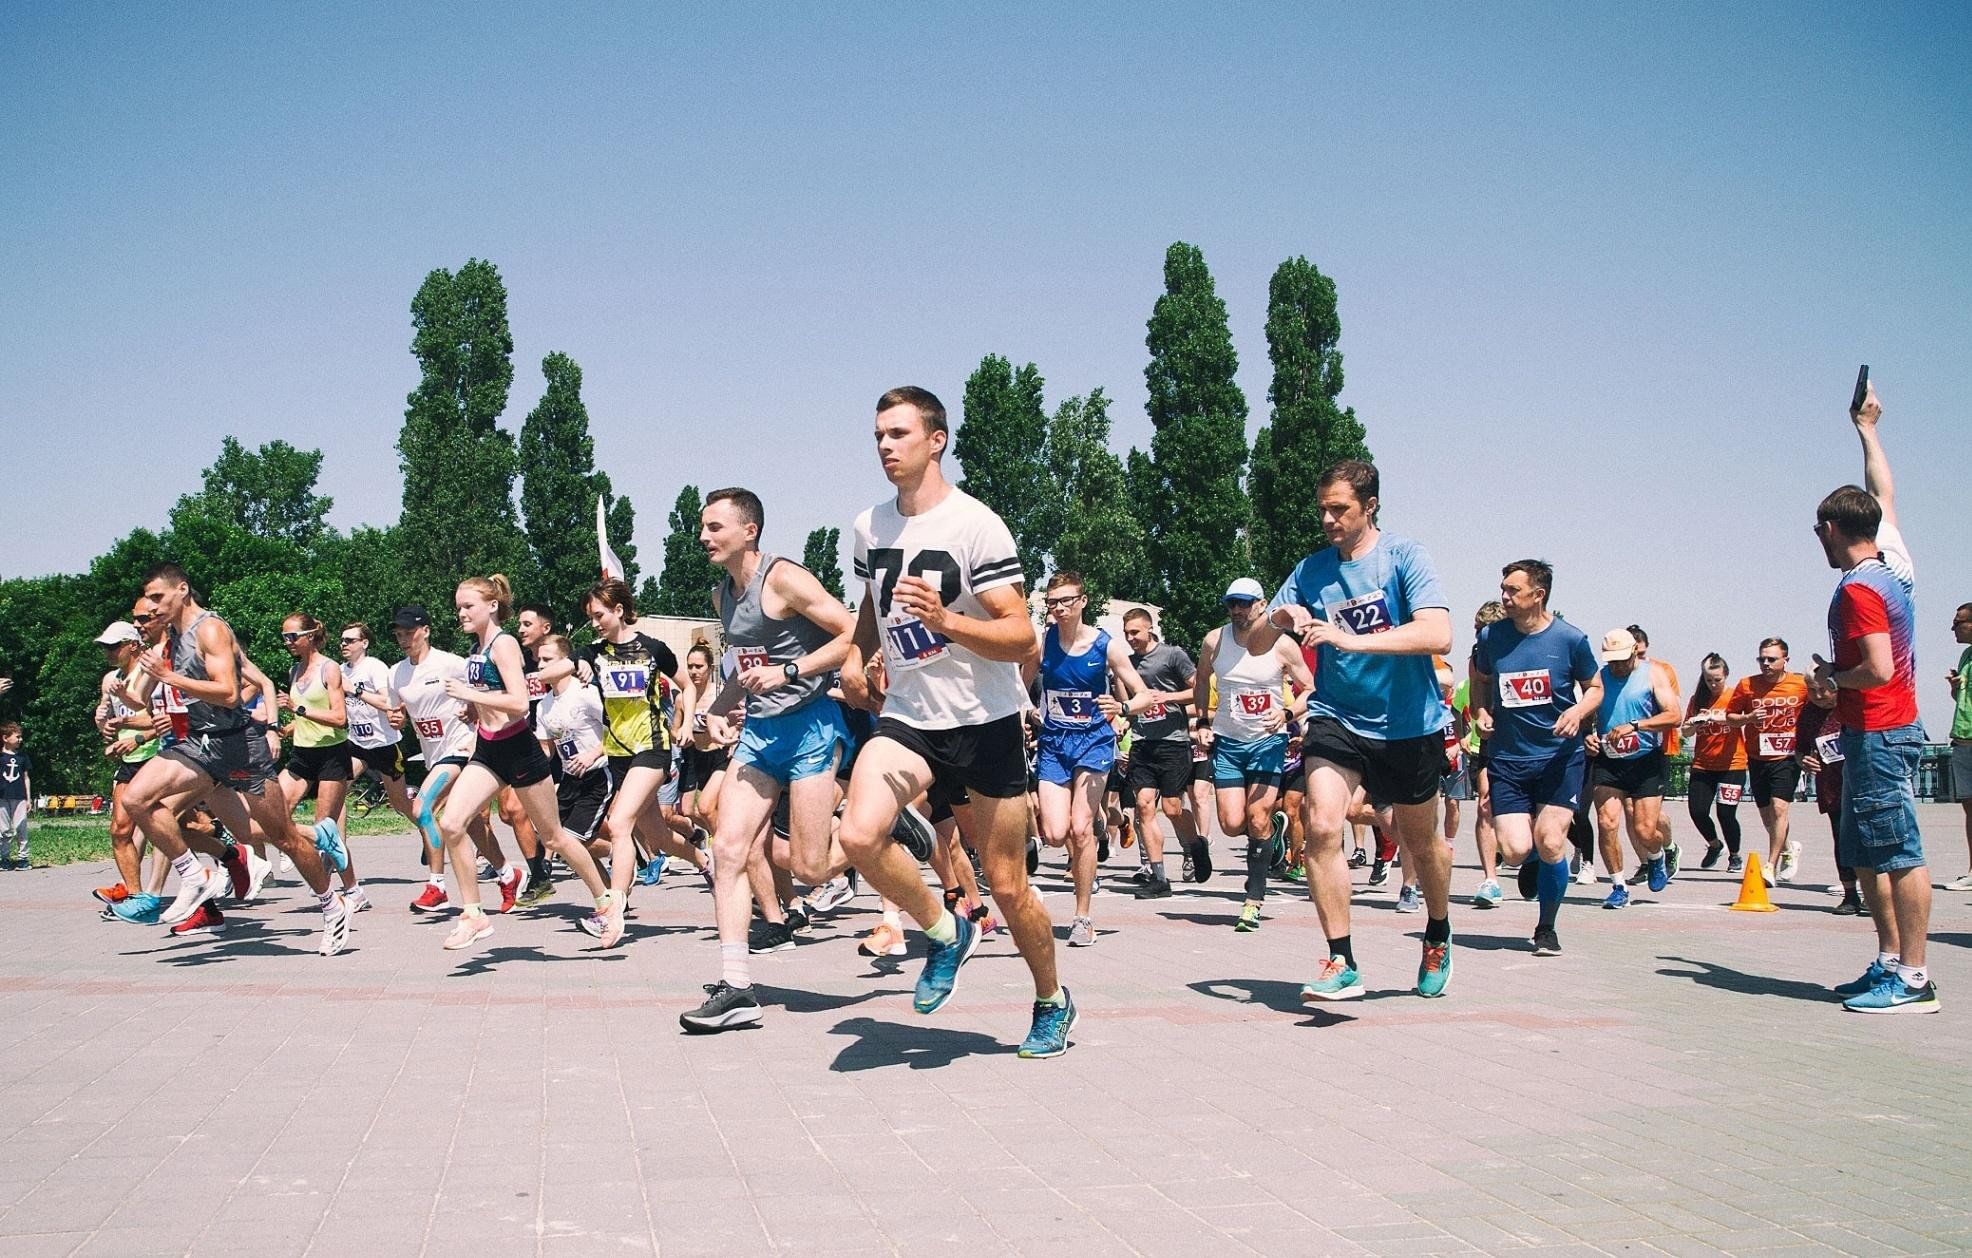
[(130, 741), (1245, 660), (1638, 705)]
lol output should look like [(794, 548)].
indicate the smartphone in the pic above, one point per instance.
[(1862, 389)]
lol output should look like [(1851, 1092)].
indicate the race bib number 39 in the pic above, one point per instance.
[(740, 658), (1525, 690), (909, 645), (1365, 613), (1254, 702)]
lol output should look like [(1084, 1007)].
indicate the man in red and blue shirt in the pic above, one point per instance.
[(1871, 630)]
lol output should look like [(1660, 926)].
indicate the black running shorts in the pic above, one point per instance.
[(989, 759)]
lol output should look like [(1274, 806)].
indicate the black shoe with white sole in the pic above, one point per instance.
[(725, 1007)]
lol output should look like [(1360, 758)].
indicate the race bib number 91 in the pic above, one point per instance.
[(625, 682), (1526, 689), (1365, 613)]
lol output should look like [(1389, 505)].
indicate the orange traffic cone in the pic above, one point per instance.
[(1753, 889)]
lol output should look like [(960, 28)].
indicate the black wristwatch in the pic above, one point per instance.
[(791, 670)]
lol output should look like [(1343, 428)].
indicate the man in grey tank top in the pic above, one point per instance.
[(785, 635)]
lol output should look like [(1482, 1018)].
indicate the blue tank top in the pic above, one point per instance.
[(1626, 700), (1070, 684), (483, 674)]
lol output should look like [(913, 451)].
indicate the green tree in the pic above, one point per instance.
[(685, 588), (1000, 447), (458, 517), (559, 485), (1309, 433), (1096, 529), (1198, 448), (269, 492), (821, 554)]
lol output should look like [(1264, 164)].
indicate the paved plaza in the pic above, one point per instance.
[(1678, 1082)]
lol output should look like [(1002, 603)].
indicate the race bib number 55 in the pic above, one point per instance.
[(1365, 613)]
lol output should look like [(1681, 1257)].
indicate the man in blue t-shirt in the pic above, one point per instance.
[(1370, 606), (1535, 682)]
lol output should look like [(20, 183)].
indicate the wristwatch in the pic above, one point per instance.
[(791, 670)]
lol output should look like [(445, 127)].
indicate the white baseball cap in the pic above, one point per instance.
[(1617, 644), (119, 632), (1244, 588)]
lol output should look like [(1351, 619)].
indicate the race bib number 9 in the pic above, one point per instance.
[(909, 645), (740, 658), (1527, 689), (1776, 746), (1071, 707), (429, 727), (566, 749), (631, 681), (1365, 613), (1254, 702), (1829, 748), (1622, 745)]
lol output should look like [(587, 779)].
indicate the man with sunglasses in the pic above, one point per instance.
[(130, 742), (1872, 634), (1767, 707)]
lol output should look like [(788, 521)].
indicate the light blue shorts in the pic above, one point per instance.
[(794, 745), (1259, 762)]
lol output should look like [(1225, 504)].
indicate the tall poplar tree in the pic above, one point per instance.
[(1000, 447), (1095, 529), (1309, 433), (458, 517), (685, 586), (821, 554), (1198, 448), (559, 484)]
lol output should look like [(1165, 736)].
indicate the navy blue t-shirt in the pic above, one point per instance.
[(14, 768), (1535, 679)]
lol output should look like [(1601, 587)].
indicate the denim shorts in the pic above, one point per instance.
[(1879, 801), (1240, 762), (794, 745)]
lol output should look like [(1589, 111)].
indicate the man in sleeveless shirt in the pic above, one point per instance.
[(1627, 781), (785, 634)]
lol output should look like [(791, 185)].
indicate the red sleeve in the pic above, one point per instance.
[(1860, 612)]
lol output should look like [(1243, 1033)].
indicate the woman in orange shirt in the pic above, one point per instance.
[(1718, 763)]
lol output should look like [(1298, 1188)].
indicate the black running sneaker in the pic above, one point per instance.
[(1546, 942), (1379, 873), (770, 937), (1201, 861), (1156, 889), (1530, 877), (1713, 850), (725, 1007), (914, 832)]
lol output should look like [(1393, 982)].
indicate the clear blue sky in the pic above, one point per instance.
[(1606, 273)]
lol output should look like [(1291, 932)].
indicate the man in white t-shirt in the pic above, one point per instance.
[(375, 745), (945, 608)]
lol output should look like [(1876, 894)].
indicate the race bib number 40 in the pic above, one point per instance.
[(1527, 689), (909, 645), (1365, 613)]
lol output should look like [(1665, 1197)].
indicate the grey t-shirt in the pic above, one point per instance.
[(1163, 667)]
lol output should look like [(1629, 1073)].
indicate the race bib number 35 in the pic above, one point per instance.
[(909, 645), (1365, 613), (1525, 690), (429, 727)]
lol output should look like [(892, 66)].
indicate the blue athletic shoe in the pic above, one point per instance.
[(1048, 1037), (1660, 873), (328, 841), (1872, 976), (648, 874), (941, 966), (142, 909), (1435, 970), (1619, 897), (1893, 995)]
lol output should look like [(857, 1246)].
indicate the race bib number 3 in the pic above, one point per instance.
[(909, 645), (625, 682), (1254, 702), (1365, 613), (1528, 689), (1776, 746), (1071, 707)]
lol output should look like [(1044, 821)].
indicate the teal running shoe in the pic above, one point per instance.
[(1435, 970), (328, 841), (1338, 980), (649, 873), (1872, 976), (1893, 995), (141, 909), (1489, 895), (940, 977), (1048, 1037)]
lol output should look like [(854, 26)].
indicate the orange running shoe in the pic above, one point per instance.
[(885, 941), (114, 894)]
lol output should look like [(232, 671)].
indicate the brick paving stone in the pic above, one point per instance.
[(1662, 1088)]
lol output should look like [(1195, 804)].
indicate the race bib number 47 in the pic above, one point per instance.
[(1526, 689), (1365, 613)]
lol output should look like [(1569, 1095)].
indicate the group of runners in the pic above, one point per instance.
[(827, 747)]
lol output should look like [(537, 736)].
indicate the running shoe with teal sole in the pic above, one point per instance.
[(328, 841), (941, 967), (1338, 980), (1872, 976), (1048, 1037)]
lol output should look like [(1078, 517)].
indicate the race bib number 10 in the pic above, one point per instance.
[(1365, 613), (1525, 690), (909, 645)]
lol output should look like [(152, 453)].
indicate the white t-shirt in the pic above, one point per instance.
[(431, 713), (367, 726), (963, 548), (572, 721)]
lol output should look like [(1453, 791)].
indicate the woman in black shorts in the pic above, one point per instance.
[(703, 769)]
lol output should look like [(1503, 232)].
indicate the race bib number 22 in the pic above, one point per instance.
[(1365, 613)]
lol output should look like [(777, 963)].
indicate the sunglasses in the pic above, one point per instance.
[(142, 620), (1771, 659), (293, 637), (352, 641)]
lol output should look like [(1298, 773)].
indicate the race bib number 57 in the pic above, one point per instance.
[(1365, 613)]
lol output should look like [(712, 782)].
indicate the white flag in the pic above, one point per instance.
[(612, 566)]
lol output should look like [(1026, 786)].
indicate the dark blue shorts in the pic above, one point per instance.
[(1528, 788)]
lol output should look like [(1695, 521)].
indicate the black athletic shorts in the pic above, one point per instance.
[(1639, 777), (1163, 764), (1201, 770), (1117, 781), (388, 760), (320, 764), (1295, 777), (1773, 779), (222, 756), (1396, 771), (127, 769), (620, 766), (989, 759), (942, 799), (697, 767), (582, 801), (517, 760)]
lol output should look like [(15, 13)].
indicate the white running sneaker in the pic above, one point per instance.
[(1081, 933), (832, 895), (1585, 876), (279, 867), (192, 892), (335, 925), (470, 929), (357, 899), (259, 869), (1790, 861), (1961, 883)]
